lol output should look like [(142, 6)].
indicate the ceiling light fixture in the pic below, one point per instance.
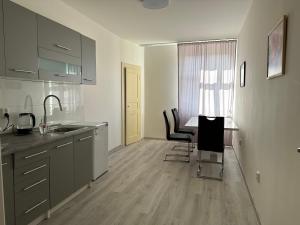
[(155, 4)]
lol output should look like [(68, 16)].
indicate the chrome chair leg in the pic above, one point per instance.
[(221, 173), (188, 156)]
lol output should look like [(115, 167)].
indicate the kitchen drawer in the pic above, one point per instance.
[(28, 194), (32, 211), (32, 171), (29, 175), (33, 155), (56, 37)]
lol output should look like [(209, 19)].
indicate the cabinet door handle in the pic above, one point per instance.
[(87, 79), (60, 75), (4, 164), (35, 184), (85, 138), (63, 145), (35, 169), (63, 47), (22, 71), (34, 207), (36, 154)]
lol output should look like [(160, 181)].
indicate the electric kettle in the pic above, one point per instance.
[(25, 123)]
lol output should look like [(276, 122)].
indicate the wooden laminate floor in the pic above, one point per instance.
[(141, 189)]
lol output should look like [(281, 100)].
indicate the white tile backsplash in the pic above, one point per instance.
[(28, 96)]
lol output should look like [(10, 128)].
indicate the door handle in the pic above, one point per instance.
[(35, 184), (298, 150), (85, 138), (36, 206), (60, 75), (35, 169), (36, 154), (63, 47), (22, 71), (63, 145)]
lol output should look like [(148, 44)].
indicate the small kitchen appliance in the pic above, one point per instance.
[(25, 123)]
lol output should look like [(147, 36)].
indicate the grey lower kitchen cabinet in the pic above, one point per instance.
[(39, 178), (2, 63), (83, 159), (31, 184), (20, 31), (8, 186), (61, 170), (88, 59)]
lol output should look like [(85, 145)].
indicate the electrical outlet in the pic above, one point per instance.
[(240, 142), (258, 176)]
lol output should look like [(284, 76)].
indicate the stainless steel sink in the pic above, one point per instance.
[(66, 129)]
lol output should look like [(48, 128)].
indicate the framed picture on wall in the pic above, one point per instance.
[(243, 74), (277, 39)]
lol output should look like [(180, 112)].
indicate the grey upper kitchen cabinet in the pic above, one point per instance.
[(20, 32), (8, 186), (2, 65), (59, 50), (88, 59), (83, 159), (56, 37), (61, 171)]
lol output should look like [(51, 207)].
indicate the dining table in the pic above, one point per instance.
[(229, 124)]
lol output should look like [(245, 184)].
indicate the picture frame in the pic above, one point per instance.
[(277, 41), (243, 74)]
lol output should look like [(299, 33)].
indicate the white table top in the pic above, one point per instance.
[(228, 124)]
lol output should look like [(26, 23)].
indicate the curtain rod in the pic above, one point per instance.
[(187, 42)]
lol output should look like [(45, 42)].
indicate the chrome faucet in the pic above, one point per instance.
[(45, 113)]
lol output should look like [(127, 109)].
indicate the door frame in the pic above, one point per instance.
[(123, 96)]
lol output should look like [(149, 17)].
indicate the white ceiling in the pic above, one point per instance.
[(183, 20)]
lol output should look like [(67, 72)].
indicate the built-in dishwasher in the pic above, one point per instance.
[(100, 151)]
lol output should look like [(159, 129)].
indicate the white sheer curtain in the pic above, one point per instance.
[(206, 78)]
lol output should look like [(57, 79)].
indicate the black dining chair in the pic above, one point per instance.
[(178, 129), (211, 138), (178, 137)]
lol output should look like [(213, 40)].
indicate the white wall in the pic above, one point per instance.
[(267, 112), (97, 103), (161, 87)]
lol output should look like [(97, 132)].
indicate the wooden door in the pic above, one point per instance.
[(132, 104)]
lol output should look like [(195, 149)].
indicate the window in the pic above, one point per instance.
[(206, 78)]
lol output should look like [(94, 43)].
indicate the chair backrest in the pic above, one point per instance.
[(176, 119), (167, 125), (211, 134)]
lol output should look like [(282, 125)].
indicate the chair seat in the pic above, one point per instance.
[(180, 137), (185, 131)]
